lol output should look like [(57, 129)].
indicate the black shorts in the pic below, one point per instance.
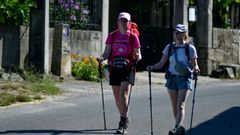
[(118, 76)]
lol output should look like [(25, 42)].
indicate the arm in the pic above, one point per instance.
[(135, 43), (106, 53), (137, 54), (160, 64), (195, 65), (193, 59)]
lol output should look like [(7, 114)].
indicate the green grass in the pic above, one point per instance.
[(37, 97), (23, 98), (237, 78), (45, 87), (7, 99), (35, 87)]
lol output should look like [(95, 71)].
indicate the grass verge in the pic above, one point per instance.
[(34, 87)]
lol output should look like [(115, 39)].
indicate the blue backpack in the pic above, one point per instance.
[(172, 48)]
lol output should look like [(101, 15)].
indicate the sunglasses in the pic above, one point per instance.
[(123, 20), (177, 32)]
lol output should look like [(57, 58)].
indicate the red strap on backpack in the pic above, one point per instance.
[(134, 28)]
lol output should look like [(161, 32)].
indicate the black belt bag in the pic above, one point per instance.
[(120, 63)]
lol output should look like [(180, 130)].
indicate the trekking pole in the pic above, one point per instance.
[(150, 99), (193, 100), (103, 106)]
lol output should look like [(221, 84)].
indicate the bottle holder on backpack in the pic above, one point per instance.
[(183, 69)]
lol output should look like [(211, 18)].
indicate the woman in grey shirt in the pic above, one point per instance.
[(182, 64)]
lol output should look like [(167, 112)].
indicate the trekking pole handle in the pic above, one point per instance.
[(100, 69), (149, 75), (99, 60), (195, 75)]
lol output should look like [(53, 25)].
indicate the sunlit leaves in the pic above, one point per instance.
[(16, 12)]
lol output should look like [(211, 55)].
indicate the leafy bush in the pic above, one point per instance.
[(221, 10), (85, 68), (15, 12)]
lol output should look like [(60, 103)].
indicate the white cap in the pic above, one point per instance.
[(124, 15), (181, 28)]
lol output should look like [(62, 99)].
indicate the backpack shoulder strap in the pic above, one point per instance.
[(187, 50), (131, 39), (131, 42), (114, 33), (170, 52), (171, 49)]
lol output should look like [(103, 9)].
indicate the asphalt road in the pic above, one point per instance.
[(79, 111)]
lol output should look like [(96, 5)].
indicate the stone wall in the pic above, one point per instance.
[(82, 42), (226, 47), (86, 43), (14, 45)]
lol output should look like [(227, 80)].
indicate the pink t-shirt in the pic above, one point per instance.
[(121, 45)]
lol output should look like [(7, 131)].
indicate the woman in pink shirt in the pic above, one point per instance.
[(122, 51)]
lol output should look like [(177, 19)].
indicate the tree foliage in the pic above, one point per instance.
[(221, 10), (15, 12)]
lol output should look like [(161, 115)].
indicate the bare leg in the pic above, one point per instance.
[(173, 96), (124, 94), (116, 93), (121, 94), (181, 102)]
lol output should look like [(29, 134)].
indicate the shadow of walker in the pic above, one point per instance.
[(225, 123), (58, 132)]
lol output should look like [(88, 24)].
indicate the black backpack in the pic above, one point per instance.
[(172, 48)]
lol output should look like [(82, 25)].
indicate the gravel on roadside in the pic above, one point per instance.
[(72, 86)]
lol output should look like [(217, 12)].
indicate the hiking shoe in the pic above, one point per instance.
[(121, 131), (177, 131), (123, 124), (182, 130), (174, 131)]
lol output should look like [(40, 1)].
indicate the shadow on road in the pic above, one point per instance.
[(225, 123), (57, 132)]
